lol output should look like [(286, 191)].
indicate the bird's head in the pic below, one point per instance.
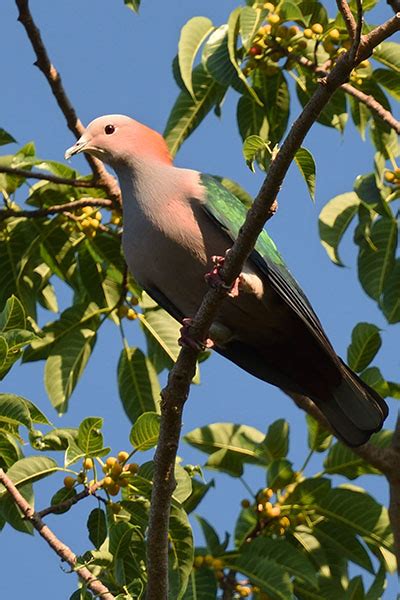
[(117, 139)]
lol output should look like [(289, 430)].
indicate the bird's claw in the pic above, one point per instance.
[(214, 279), (187, 340)]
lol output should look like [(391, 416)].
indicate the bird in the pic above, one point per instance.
[(174, 221)]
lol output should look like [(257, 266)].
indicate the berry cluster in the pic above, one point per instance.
[(89, 220)]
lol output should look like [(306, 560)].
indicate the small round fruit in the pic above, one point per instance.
[(301, 44), (389, 176), (105, 469), (133, 468), (308, 33), (69, 482), (122, 456), (363, 64), (98, 216), (85, 224), (397, 172), (219, 575), (317, 28), (217, 564), (275, 511), (244, 591), (113, 489), (81, 478), (87, 210), (116, 471), (255, 51), (245, 503), (293, 30), (123, 482), (198, 562), (208, 560), (88, 464), (267, 493), (131, 315), (107, 482), (284, 522), (334, 34), (274, 19), (110, 462)]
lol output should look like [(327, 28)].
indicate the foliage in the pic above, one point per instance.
[(300, 534)]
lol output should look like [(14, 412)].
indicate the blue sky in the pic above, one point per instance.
[(113, 61)]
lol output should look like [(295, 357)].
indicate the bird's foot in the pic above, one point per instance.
[(214, 279), (187, 339)]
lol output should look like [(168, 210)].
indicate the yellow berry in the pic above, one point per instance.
[(133, 468), (111, 460), (308, 33), (317, 28), (105, 468), (281, 531), (69, 482), (245, 503), (267, 493), (260, 507), (131, 314), (198, 562), (389, 176), (107, 482), (87, 210), (269, 6), (275, 511), (217, 564), (244, 591), (94, 223), (208, 560), (122, 456), (334, 34), (397, 172), (88, 464), (363, 64), (85, 224), (98, 215), (116, 218), (116, 471), (274, 19), (284, 522)]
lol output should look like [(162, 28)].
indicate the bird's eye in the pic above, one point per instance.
[(109, 129)]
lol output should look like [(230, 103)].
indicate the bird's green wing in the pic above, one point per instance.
[(230, 213)]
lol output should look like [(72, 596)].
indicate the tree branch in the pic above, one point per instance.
[(395, 4), (66, 504), (80, 183), (54, 80), (175, 394), (63, 551), (66, 207), (373, 105), (348, 18)]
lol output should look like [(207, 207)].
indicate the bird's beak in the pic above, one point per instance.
[(76, 148)]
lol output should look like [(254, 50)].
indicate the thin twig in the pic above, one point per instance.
[(66, 504), (348, 18), (63, 551), (395, 4), (357, 34), (373, 105), (56, 208), (175, 394), (80, 183), (54, 80)]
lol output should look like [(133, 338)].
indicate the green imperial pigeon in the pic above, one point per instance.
[(176, 222)]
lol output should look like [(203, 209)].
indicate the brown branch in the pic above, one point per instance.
[(54, 80), (63, 551), (373, 105), (66, 504), (348, 18), (395, 4), (357, 34), (56, 208), (80, 183)]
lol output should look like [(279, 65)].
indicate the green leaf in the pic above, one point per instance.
[(30, 469), (181, 548), (276, 442), (9, 450), (6, 138), (334, 114), (199, 490), (211, 537), (343, 461), (250, 21), (120, 539), (183, 481), (133, 5), (12, 315), (389, 80), (280, 474), (62, 495), (378, 586), (97, 527), (11, 513), (202, 585), (334, 220), (375, 264), (365, 343), (251, 118), (186, 114), (90, 438), (246, 524), (58, 439), (14, 410), (162, 332), (66, 364), (91, 275), (319, 439), (216, 58), (145, 431), (374, 378), (193, 34), (343, 542), (360, 114), (274, 93), (138, 384), (391, 295), (388, 54), (253, 147), (306, 164)]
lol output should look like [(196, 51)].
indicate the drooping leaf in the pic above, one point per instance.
[(250, 21), (62, 495), (365, 343), (334, 220), (6, 138), (13, 410), (254, 147), (388, 54), (274, 93), (344, 542), (199, 490), (306, 164), (319, 439), (343, 461), (30, 469), (216, 59), (275, 445), (390, 80), (97, 527), (374, 378), (90, 438), (213, 543), (251, 119), (11, 513), (193, 34), (391, 295), (145, 431)]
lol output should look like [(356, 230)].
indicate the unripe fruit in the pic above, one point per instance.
[(273, 18), (217, 564), (308, 33), (133, 468), (69, 482), (122, 311), (113, 489), (88, 464), (301, 44), (334, 34), (116, 218), (389, 176), (85, 224), (110, 462), (284, 522), (131, 315), (122, 456), (208, 560), (116, 471), (317, 28), (245, 503), (328, 46), (81, 477), (363, 64), (283, 31), (94, 223), (105, 469), (108, 481), (397, 172), (198, 561), (281, 531), (219, 575)]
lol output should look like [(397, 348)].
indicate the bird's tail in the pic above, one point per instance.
[(354, 409)]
